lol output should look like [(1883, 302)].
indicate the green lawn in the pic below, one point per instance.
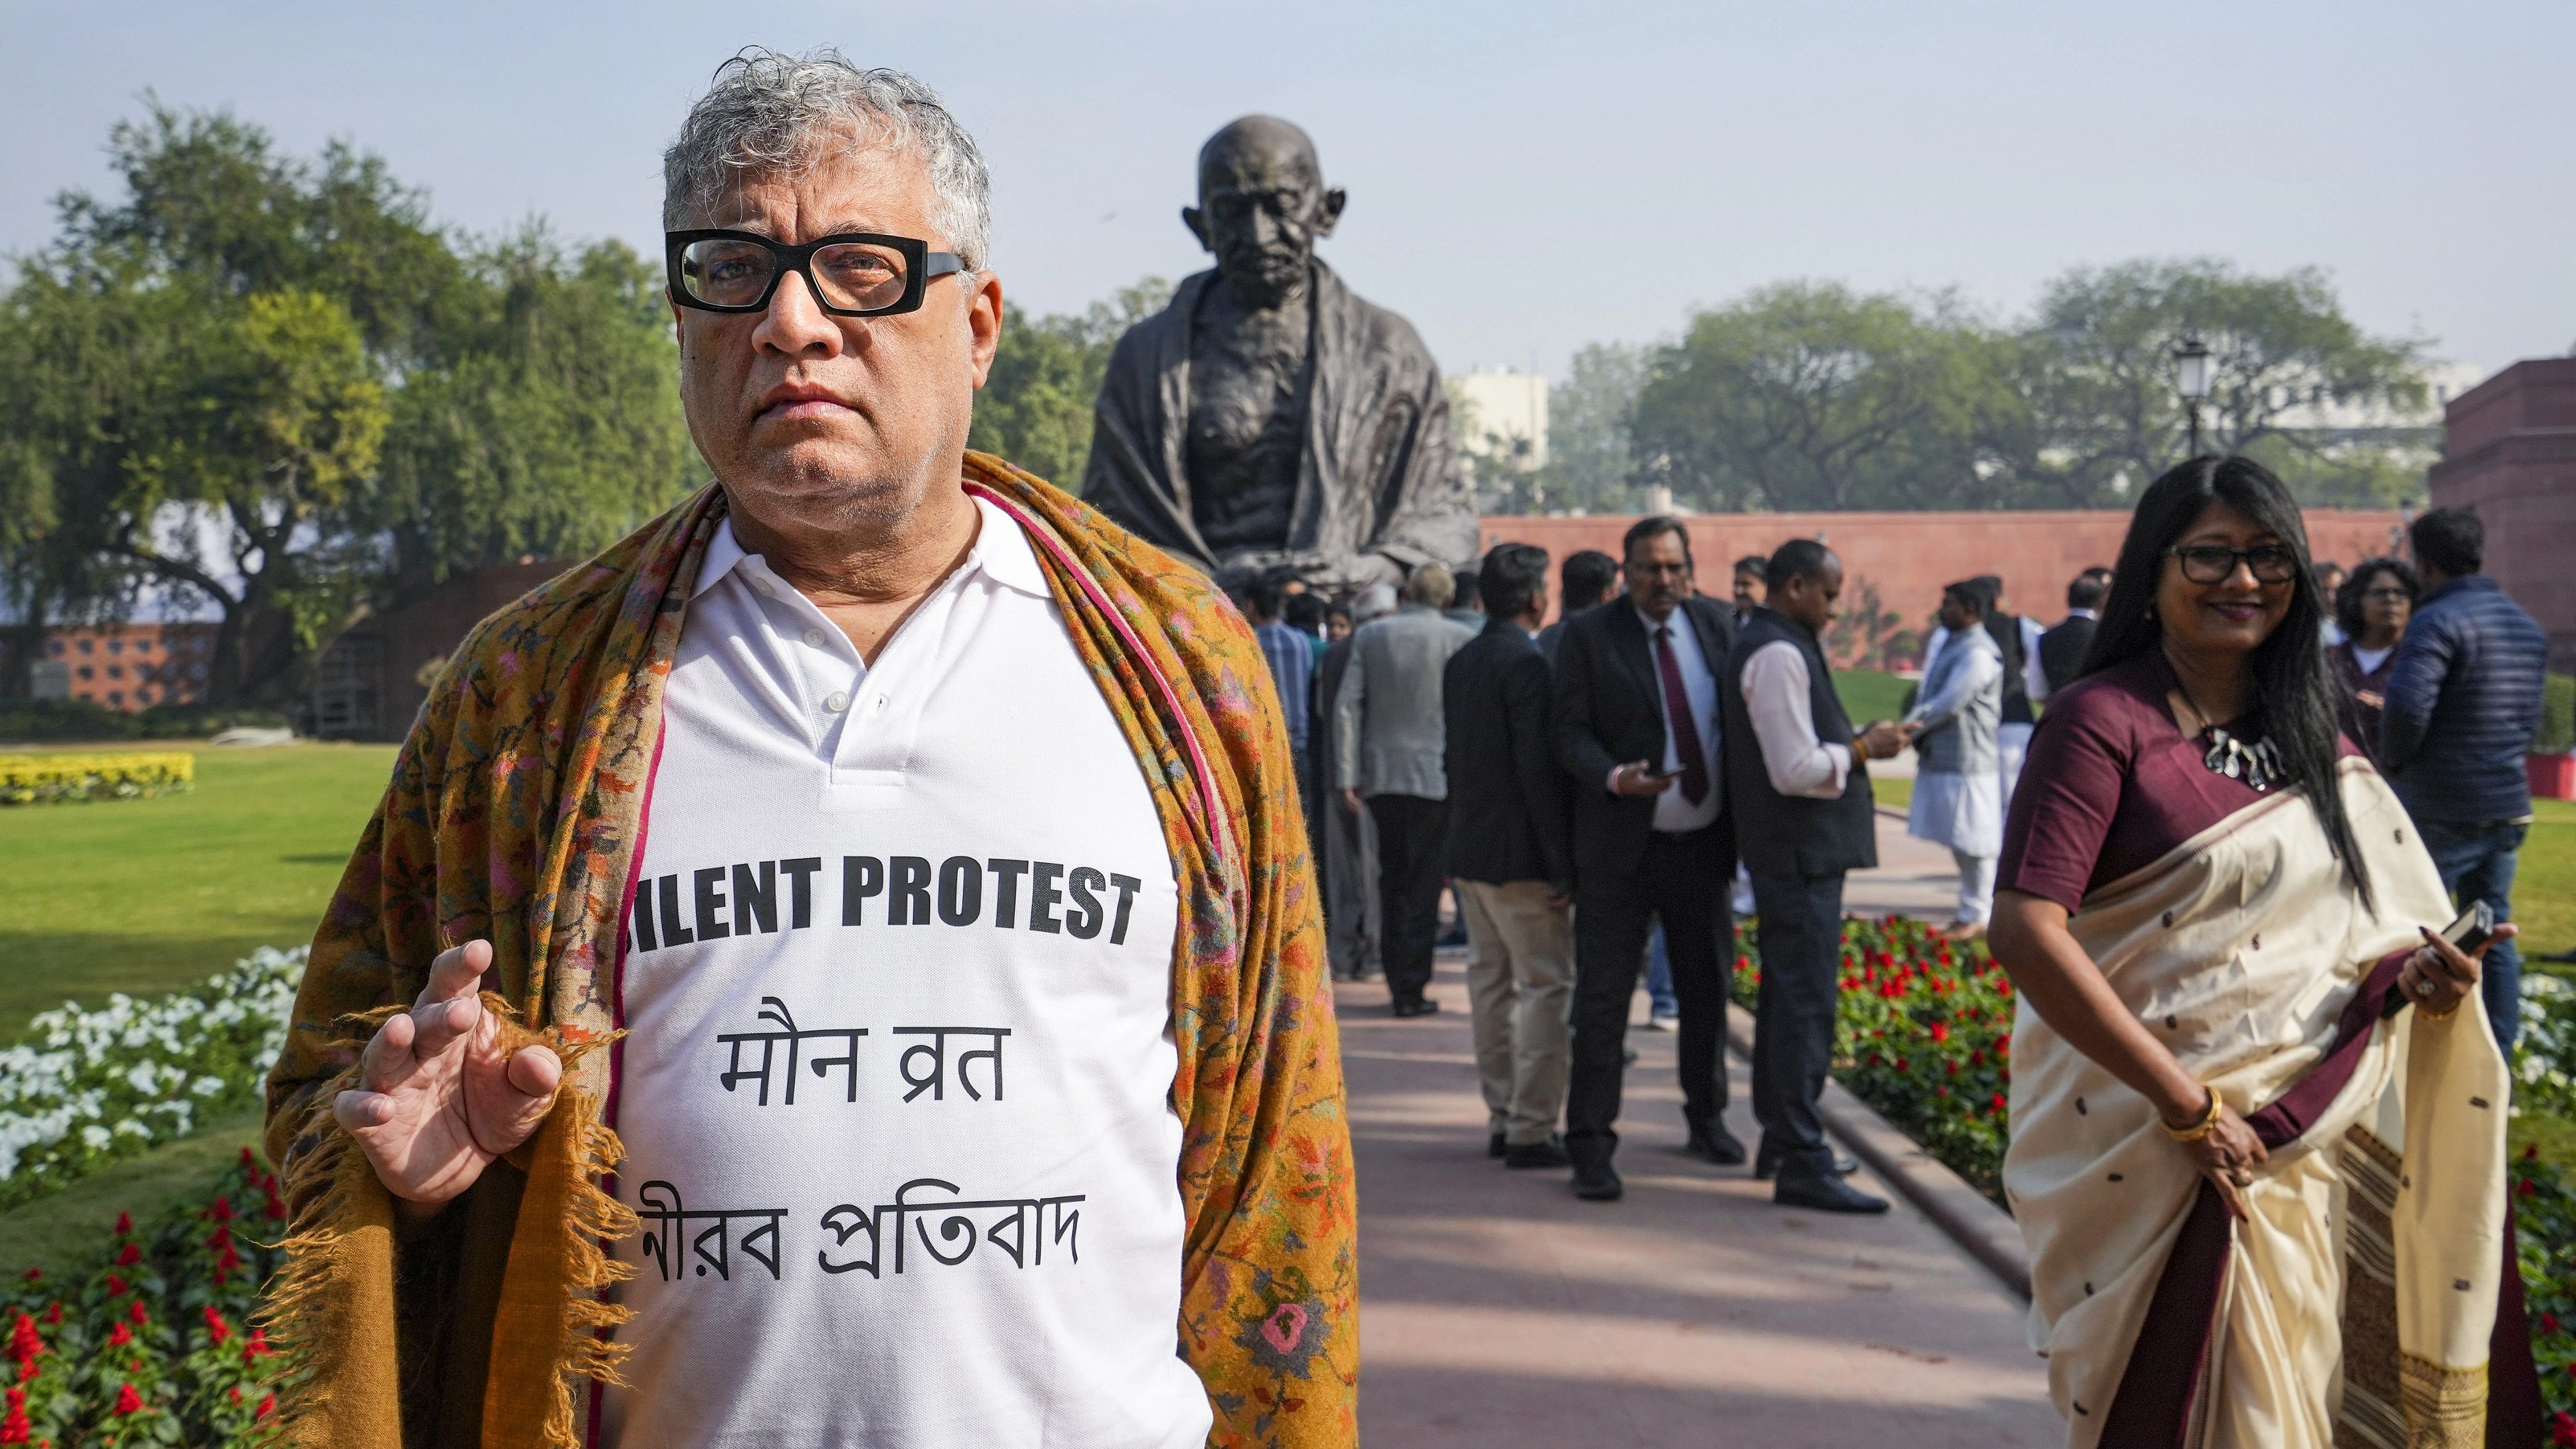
[(1870, 694), (146, 895)]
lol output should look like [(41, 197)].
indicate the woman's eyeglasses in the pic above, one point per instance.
[(2207, 563)]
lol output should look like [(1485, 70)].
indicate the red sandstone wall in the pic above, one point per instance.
[(1907, 557), (2510, 446)]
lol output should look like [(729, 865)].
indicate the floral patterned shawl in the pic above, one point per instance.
[(515, 814)]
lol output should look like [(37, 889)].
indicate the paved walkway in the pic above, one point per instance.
[(1500, 1312)]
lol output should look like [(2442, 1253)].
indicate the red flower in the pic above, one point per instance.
[(1940, 1031), (1900, 1064), (267, 1406), (2525, 1187), (135, 1312), (216, 1329), (2548, 1322), (2531, 1153), (118, 1336), (129, 1255), (257, 1348), (54, 1313), (2563, 1429), (127, 1401), (247, 1161), (1999, 1101), (221, 1212), (124, 1224), (115, 1286)]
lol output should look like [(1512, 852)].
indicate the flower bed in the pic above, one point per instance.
[(52, 779), (85, 1088), (1924, 1036), (153, 1344)]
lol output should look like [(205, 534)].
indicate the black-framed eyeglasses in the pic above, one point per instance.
[(853, 274), (2207, 563), (2387, 595)]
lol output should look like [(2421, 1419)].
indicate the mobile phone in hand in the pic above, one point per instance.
[(2472, 929), (1655, 774)]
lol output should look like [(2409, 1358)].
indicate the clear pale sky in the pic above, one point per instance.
[(1524, 178)]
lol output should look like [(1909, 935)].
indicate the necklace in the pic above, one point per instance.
[(2258, 765)]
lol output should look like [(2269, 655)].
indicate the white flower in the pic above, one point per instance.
[(97, 1137)]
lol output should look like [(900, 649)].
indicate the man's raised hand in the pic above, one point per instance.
[(437, 1099)]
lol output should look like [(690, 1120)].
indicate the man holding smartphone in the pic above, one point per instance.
[(1637, 728)]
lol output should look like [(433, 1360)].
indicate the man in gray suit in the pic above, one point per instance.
[(1390, 739), (1348, 837)]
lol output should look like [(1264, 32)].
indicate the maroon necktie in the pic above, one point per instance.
[(1677, 711)]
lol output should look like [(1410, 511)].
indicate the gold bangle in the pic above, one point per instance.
[(2425, 1015), (2199, 1129)]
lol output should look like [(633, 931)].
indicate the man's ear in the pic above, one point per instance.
[(1329, 210), (1196, 221), (984, 326)]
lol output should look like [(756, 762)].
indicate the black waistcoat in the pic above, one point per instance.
[(2006, 632), (1825, 836)]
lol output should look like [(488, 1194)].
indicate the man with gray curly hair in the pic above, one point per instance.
[(929, 850)]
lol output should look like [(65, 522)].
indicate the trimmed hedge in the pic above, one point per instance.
[(2557, 734), (52, 779)]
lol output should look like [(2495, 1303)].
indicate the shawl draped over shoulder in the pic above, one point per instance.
[(515, 815)]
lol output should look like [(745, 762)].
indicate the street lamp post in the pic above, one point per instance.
[(2191, 379)]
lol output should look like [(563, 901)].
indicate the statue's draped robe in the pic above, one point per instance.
[(1378, 476)]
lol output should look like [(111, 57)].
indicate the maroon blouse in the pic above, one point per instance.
[(2110, 786)]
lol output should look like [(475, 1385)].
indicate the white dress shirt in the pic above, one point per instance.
[(1673, 812), (1777, 697), (896, 1097)]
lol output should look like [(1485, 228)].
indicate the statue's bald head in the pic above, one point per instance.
[(1262, 204), (1264, 146)]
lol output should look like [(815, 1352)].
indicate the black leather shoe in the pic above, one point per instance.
[(1766, 1165), (1825, 1195), (1627, 1056), (1713, 1143), (1550, 1153), (1597, 1182), (1496, 1145), (1416, 1006)]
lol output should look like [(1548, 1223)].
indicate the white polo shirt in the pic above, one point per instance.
[(897, 1095)]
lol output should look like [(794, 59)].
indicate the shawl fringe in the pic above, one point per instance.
[(340, 1242)]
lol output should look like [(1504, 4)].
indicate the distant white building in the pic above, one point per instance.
[(1501, 422)]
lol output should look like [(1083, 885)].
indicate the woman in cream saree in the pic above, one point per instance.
[(2258, 1118)]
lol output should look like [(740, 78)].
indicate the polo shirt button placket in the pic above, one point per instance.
[(836, 701)]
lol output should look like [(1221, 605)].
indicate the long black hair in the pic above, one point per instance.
[(2293, 696)]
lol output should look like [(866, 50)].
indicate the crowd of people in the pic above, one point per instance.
[(1569, 784)]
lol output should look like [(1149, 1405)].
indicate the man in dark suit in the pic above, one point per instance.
[(2062, 649), (1637, 728), (1586, 579), (1511, 860)]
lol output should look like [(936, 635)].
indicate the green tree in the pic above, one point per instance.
[(1036, 406), (2098, 414), (272, 386), (1589, 462), (548, 426), (1806, 395)]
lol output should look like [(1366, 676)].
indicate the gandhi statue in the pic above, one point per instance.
[(1268, 418)]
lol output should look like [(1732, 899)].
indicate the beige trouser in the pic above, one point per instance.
[(1520, 990)]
